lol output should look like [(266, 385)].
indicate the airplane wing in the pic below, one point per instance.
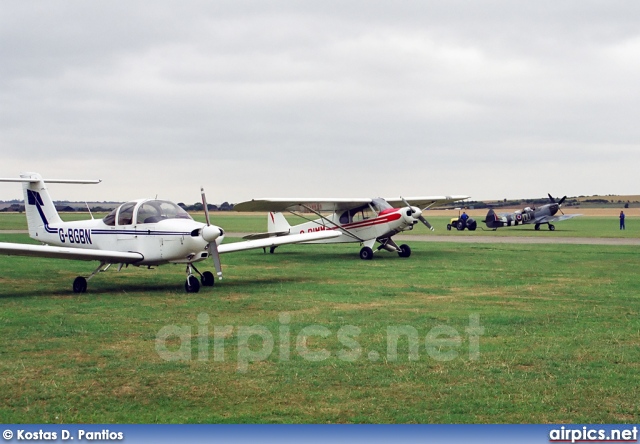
[(275, 241), (424, 201), (11, 249), (279, 205), (547, 219)]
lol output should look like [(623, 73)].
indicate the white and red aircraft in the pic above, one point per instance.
[(366, 221), (143, 232)]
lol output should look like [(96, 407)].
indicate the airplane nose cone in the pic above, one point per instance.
[(417, 212), (210, 233)]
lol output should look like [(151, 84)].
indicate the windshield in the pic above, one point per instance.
[(379, 204), (156, 210)]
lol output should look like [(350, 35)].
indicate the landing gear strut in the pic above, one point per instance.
[(80, 283)]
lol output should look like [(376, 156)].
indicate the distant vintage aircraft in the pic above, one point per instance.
[(365, 221), (143, 232), (538, 216)]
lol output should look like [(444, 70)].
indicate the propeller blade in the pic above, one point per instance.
[(213, 246), (213, 251), (551, 198), (407, 204), (426, 222), (562, 200), (206, 208)]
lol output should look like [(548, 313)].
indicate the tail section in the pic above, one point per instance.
[(276, 223), (492, 220), (38, 205), (40, 210)]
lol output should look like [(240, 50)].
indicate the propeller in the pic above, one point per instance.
[(210, 234), (420, 217), (559, 202)]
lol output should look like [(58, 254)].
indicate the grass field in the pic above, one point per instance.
[(586, 226), (557, 340)]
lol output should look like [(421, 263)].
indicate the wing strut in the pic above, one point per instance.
[(344, 230)]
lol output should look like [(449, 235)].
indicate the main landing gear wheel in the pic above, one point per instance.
[(552, 227), (80, 285), (366, 254), (192, 285), (405, 251), (537, 227), (207, 279)]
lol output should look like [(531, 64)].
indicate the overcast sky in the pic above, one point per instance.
[(493, 99)]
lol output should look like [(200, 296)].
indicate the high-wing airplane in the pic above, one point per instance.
[(538, 216), (366, 221), (143, 232)]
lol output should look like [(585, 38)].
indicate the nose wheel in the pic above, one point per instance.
[(192, 284)]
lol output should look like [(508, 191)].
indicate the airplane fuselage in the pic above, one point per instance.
[(362, 225), (172, 240), (526, 216)]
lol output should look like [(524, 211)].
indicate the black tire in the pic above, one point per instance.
[(272, 249), (460, 225), (207, 279), (405, 251), (537, 227), (192, 285), (366, 254), (448, 227), (80, 285), (472, 225), (552, 227)]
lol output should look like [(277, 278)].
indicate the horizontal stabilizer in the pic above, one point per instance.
[(37, 179)]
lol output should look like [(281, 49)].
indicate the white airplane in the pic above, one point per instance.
[(366, 221), (143, 232)]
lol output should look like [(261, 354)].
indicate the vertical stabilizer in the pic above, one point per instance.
[(276, 223), (40, 210)]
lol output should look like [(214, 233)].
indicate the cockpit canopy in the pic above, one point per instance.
[(145, 212)]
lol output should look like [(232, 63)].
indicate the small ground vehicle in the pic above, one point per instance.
[(459, 224)]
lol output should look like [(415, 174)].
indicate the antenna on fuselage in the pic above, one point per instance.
[(89, 210)]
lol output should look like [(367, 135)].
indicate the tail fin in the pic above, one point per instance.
[(276, 223), (38, 205), (41, 212), (490, 219)]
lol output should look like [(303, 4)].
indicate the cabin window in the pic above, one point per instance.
[(356, 215), (360, 214), (125, 215), (110, 219)]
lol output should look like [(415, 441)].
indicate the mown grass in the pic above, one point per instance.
[(561, 339), (584, 226)]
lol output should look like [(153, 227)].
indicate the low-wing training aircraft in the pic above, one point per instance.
[(143, 232), (538, 216), (366, 221)]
